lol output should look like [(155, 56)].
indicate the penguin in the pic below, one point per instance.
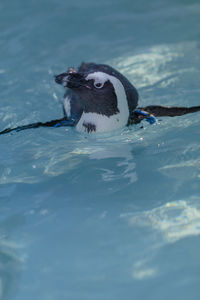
[(98, 98)]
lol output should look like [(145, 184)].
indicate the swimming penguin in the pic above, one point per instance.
[(99, 99)]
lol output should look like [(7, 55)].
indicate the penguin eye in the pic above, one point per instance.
[(98, 85)]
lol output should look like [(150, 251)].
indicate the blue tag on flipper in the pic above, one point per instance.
[(57, 125), (151, 119), (148, 117)]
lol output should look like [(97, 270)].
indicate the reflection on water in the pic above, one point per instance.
[(185, 170), (140, 271), (171, 221), (156, 65), (38, 162), (123, 152), (149, 68), (162, 226)]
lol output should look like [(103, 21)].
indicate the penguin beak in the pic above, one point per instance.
[(62, 78), (72, 80)]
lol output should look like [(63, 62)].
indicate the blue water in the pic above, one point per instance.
[(110, 216)]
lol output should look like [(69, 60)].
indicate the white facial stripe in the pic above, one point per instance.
[(98, 77), (64, 80), (122, 103)]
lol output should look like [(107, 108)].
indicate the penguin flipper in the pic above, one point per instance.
[(166, 111), (150, 112), (52, 123)]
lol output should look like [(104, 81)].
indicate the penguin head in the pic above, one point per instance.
[(102, 91), (99, 92)]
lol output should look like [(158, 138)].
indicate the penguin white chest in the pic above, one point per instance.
[(93, 122)]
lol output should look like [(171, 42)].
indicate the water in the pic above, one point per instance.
[(113, 216)]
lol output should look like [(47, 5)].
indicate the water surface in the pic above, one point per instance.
[(108, 216)]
